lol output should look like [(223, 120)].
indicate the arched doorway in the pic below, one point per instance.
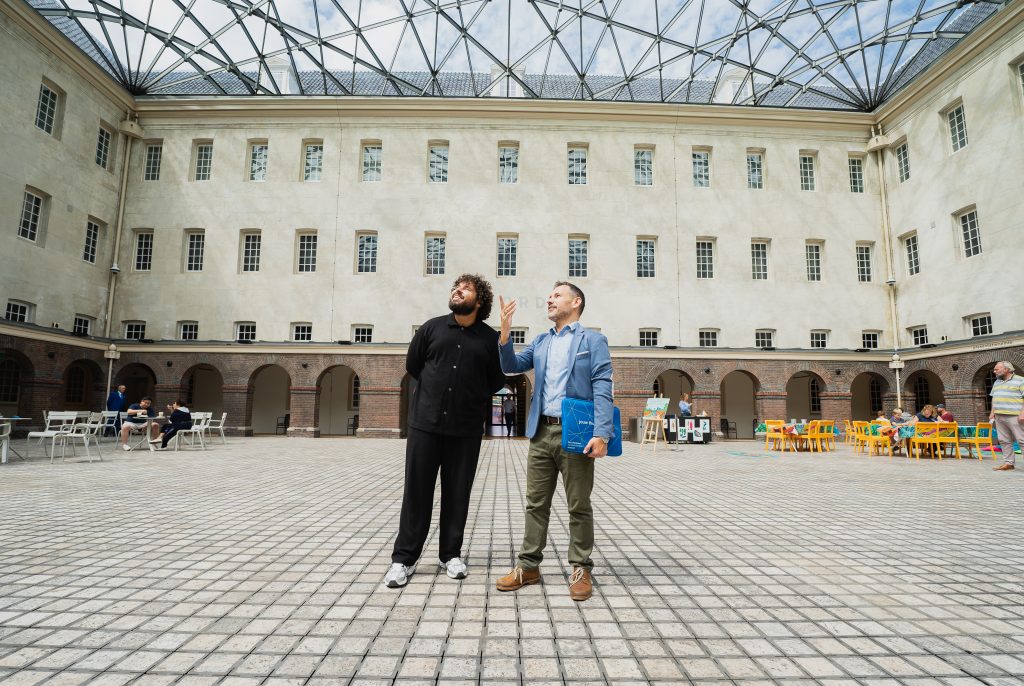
[(738, 391), (516, 389), (339, 401), (270, 398), (803, 396), (139, 380), (204, 389), (867, 391), (81, 390), (671, 384), (16, 372), (983, 381), (925, 388)]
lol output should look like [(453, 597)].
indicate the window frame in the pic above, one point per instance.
[(181, 330), (360, 331), (307, 333), (901, 157), (814, 264), (371, 259), (152, 164), (707, 338), (305, 172), (648, 337), (770, 333), (77, 328), (432, 264), (306, 240), (247, 259), (643, 169), (105, 147), (37, 216), (754, 257), (577, 170), (759, 153), (918, 334), (705, 261), (823, 334), (193, 260), (956, 126), (700, 159), (807, 166), (583, 248), (864, 252), (911, 253), (438, 156), (855, 166), (646, 261), (865, 341), (56, 116), (139, 325), (138, 253), (258, 165), (25, 311), (249, 334), (512, 162), (971, 244), (202, 160), (371, 164), (976, 322), (504, 264)]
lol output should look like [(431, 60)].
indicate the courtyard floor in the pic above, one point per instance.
[(260, 562)]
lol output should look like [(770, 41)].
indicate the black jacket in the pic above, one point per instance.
[(456, 371)]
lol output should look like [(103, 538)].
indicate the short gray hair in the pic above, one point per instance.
[(1006, 365)]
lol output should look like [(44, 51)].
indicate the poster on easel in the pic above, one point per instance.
[(654, 422), (656, 408)]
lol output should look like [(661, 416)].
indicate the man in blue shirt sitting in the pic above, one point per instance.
[(137, 420)]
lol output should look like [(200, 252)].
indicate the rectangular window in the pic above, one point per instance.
[(188, 331), (437, 166), (913, 256), (307, 252), (252, 245), (577, 166), (856, 175), (302, 332), (701, 169), (371, 162), (814, 393), (194, 248), (705, 259), (366, 256), (92, 239), (864, 263), (434, 254), (812, 252), (82, 325), (645, 258), (981, 325), (204, 162), (245, 331), (648, 338), (578, 257), (143, 251), (759, 260), (764, 338), (807, 172), (971, 233), (362, 334), (819, 339), (707, 338), (957, 127), (919, 335), (755, 170), (643, 166), (903, 162), (103, 147), (258, 161), (508, 247), (508, 163), (313, 162), (17, 311), (869, 340), (353, 400), (154, 155), (517, 336), (135, 331), (31, 214), (46, 108)]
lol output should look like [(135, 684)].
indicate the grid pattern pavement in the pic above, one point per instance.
[(260, 562)]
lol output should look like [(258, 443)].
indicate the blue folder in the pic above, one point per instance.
[(578, 427)]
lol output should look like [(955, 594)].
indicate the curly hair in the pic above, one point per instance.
[(484, 295)]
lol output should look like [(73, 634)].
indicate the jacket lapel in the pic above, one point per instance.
[(574, 347)]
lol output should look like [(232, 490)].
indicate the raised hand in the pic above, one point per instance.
[(507, 309)]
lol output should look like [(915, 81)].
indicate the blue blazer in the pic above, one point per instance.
[(590, 374), (116, 403)]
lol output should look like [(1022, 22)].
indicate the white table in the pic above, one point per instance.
[(150, 421)]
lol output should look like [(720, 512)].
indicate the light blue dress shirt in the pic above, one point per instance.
[(557, 371)]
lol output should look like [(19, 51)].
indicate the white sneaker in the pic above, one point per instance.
[(398, 575), (124, 446), (455, 568)]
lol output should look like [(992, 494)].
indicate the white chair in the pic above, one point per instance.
[(86, 432), (199, 421), (218, 425), (110, 421), (54, 422), (5, 441)]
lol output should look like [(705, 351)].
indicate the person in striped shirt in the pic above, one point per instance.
[(1007, 415)]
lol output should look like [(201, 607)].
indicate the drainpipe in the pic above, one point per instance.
[(878, 144), (131, 131)]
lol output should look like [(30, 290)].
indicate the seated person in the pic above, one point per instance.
[(880, 418), (136, 421), (927, 414), (897, 416), (181, 418), (684, 405), (943, 414)]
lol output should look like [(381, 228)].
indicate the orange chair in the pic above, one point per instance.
[(982, 437)]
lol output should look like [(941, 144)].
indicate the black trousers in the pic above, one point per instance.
[(425, 454)]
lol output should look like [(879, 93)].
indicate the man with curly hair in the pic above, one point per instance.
[(453, 360)]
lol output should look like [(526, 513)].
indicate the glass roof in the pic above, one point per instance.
[(821, 54)]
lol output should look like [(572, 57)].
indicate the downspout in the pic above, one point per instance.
[(131, 130)]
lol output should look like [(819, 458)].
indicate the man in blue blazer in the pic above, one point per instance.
[(117, 402), (569, 361)]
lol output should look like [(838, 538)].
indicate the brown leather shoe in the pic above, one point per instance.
[(581, 585), (1005, 467), (517, 578)]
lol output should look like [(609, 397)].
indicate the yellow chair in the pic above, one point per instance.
[(821, 435), (982, 437), (875, 440), (774, 434), (935, 436), (860, 434), (848, 434)]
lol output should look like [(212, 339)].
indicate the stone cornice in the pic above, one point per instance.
[(70, 54)]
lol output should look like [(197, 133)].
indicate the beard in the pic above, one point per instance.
[(462, 308)]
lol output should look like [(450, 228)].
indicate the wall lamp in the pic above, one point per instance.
[(707, 370), (956, 367)]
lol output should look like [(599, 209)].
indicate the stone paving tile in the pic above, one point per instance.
[(260, 562)]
